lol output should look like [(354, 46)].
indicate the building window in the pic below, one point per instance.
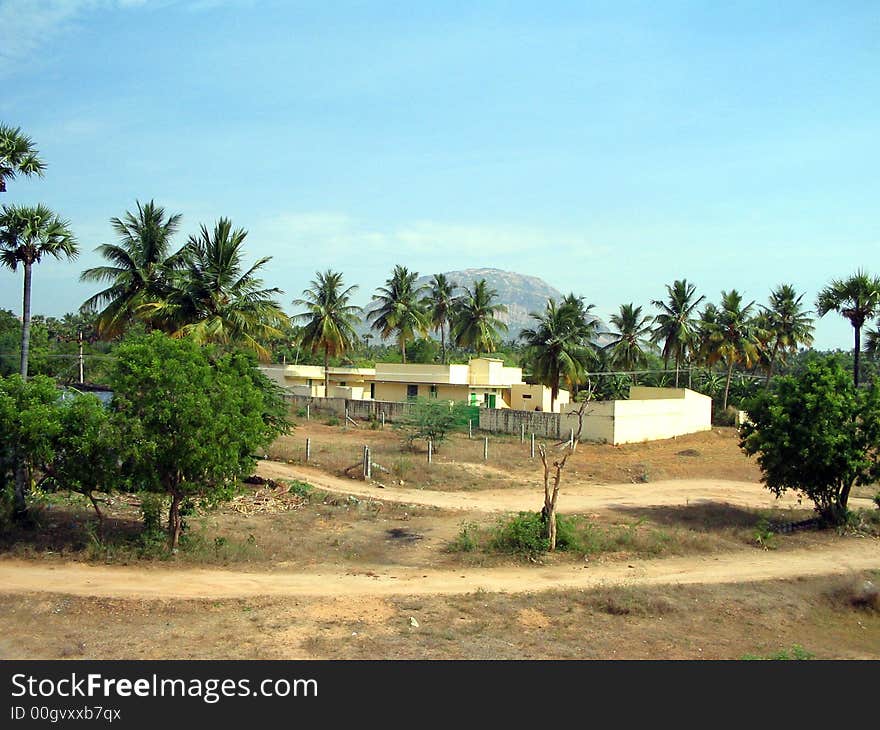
[(412, 391), (526, 396), (433, 391), (372, 391), (341, 383)]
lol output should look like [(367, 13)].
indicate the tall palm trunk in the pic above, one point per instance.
[(326, 371), (443, 341), (26, 320), (770, 365), (727, 384), (856, 353), (677, 367), (403, 348)]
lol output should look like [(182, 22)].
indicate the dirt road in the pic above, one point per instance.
[(574, 497), (122, 582)]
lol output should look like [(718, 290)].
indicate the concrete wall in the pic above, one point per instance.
[(652, 416), (506, 420), (418, 373), (357, 409)]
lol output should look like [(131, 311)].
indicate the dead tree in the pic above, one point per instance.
[(581, 411), (551, 494)]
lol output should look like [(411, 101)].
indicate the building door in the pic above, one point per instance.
[(412, 392), (372, 391), (490, 400)]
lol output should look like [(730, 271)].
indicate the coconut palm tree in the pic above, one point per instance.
[(858, 300), (141, 269), (27, 234), (676, 323), (555, 348), (329, 320), (474, 321), (786, 324), (398, 309), (213, 299), (733, 336), (18, 156), (440, 302), (631, 338)]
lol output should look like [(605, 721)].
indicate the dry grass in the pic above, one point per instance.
[(459, 464), (670, 622)]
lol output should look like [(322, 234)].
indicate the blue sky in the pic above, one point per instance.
[(607, 147)]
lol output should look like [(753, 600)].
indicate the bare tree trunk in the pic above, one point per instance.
[(551, 495), (174, 521), (26, 320), (857, 350), (98, 512), (727, 384)]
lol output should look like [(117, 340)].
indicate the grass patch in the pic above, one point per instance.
[(796, 653)]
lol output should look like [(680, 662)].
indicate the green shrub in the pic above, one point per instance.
[(877, 500), (300, 489), (727, 417), (333, 421), (796, 653), (301, 412), (524, 535), (466, 539)]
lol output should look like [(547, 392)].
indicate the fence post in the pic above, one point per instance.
[(430, 450), (522, 433), (308, 449), (470, 428), (383, 419), (366, 462), (533, 447), (345, 421), (308, 408), (486, 448), (571, 439)]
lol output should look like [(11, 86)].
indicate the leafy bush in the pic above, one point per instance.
[(431, 419), (332, 421), (523, 535), (796, 653), (727, 417), (466, 539)]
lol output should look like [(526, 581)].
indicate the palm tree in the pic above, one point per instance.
[(786, 324), (329, 320), (474, 321), (555, 348), (141, 269), (18, 156), (856, 298), (733, 336), (398, 308), (440, 302), (27, 234), (675, 325), (628, 343), (212, 299)]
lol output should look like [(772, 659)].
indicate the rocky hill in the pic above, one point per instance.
[(522, 294)]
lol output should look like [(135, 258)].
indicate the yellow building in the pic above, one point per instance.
[(484, 381)]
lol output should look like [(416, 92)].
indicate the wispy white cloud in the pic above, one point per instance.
[(28, 25)]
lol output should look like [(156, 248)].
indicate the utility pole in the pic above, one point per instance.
[(82, 378)]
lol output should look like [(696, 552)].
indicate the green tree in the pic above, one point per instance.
[(18, 155), (630, 339), (213, 299), (858, 300), (86, 450), (475, 323), (440, 302), (193, 423), (141, 266), (815, 433), (27, 234), (29, 423), (432, 420), (398, 309), (733, 336), (785, 326), (330, 319), (556, 348), (676, 324)]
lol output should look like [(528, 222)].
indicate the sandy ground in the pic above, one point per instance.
[(122, 582), (737, 567), (574, 496)]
